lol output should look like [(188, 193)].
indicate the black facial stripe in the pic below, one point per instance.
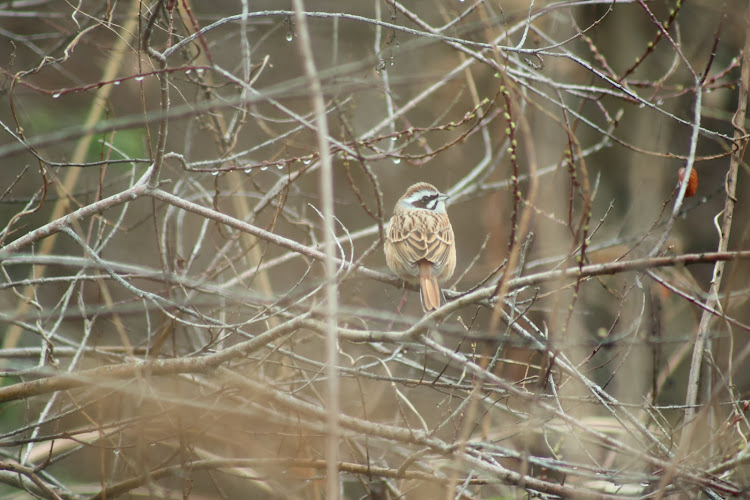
[(428, 201)]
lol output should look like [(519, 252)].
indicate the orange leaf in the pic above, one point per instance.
[(692, 186)]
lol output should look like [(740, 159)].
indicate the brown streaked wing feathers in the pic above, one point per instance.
[(412, 245)]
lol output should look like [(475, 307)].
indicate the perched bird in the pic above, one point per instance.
[(419, 244)]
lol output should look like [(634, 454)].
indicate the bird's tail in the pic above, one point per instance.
[(429, 288)]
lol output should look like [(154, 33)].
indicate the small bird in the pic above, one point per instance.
[(419, 244)]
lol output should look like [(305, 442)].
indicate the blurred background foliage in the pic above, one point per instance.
[(589, 99)]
